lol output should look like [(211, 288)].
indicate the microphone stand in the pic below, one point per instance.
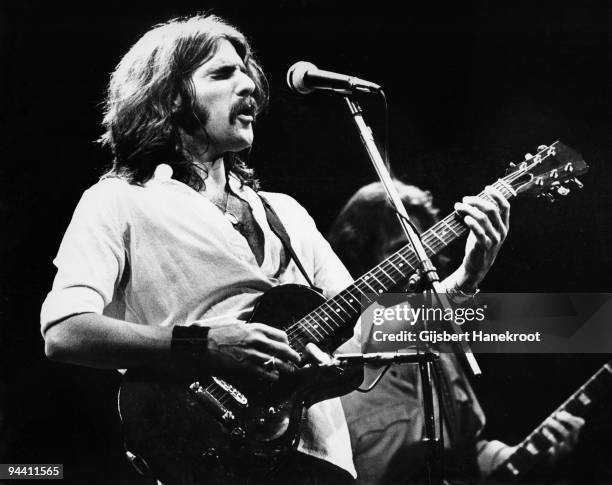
[(432, 440)]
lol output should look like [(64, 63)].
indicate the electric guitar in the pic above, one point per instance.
[(209, 430), (533, 449)]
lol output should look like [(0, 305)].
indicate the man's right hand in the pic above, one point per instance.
[(253, 349)]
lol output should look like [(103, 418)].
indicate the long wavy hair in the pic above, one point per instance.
[(365, 226), (151, 98)]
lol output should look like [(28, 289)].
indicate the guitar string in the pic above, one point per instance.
[(294, 331), (297, 329), (430, 241)]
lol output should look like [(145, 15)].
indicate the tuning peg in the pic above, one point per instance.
[(577, 183), (542, 147), (563, 190), (568, 167), (539, 182), (554, 174)]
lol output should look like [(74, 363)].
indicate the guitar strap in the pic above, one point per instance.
[(279, 229)]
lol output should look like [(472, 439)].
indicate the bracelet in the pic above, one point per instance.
[(459, 296), (190, 342)]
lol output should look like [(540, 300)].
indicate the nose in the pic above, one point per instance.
[(245, 85)]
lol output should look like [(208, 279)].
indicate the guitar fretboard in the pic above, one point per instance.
[(534, 447), (341, 311)]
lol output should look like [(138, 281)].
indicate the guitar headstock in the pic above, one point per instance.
[(549, 173)]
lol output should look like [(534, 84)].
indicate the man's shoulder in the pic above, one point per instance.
[(109, 186), (283, 203), (110, 195)]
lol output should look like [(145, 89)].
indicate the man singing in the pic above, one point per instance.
[(173, 246)]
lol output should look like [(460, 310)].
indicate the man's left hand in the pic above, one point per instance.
[(562, 430), (488, 221)]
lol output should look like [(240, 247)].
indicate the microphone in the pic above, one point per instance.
[(305, 77)]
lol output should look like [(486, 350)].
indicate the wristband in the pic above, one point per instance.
[(190, 342)]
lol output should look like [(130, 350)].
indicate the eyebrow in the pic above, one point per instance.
[(221, 65)]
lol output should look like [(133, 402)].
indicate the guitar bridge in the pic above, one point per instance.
[(218, 409), (232, 391)]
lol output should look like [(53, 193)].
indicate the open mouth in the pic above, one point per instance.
[(245, 117), (245, 111)]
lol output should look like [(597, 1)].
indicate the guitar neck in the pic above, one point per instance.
[(336, 315), (534, 447)]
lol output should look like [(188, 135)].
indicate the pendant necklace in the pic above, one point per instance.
[(228, 215)]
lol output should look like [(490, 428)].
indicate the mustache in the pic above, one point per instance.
[(246, 106)]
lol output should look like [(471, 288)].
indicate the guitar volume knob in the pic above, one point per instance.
[(210, 454), (563, 190)]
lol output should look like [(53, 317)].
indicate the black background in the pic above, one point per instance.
[(471, 86)]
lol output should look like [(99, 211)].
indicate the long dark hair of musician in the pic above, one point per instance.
[(366, 231), (150, 99)]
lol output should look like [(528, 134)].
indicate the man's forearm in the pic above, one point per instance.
[(461, 280), (98, 341)]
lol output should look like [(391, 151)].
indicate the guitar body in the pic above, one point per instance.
[(208, 431)]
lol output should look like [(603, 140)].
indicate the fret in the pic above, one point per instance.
[(435, 234), (319, 321), (366, 283), (293, 331), (321, 329), (369, 276), (449, 226), (531, 449), (310, 326), (584, 399), (431, 251), (327, 316), (395, 267), (512, 469), (363, 294), (295, 339), (348, 302), (434, 244), (367, 289), (487, 197), (446, 236), (336, 309), (379, 282), (405, 260), (387, 275), (309, 333), (333, 306)]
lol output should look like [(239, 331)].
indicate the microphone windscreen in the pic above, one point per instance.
[(295, 76)]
